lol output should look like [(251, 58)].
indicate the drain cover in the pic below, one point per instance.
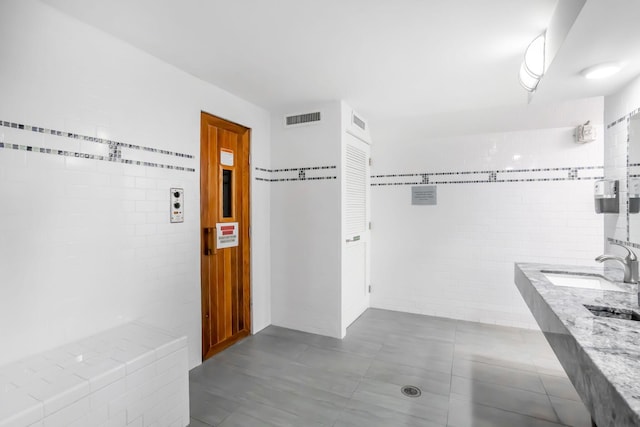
[(411, 391)]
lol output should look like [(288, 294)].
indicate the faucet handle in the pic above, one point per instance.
[(631, 255)]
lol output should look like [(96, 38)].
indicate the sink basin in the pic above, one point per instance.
[(616, 313), (585, 281)]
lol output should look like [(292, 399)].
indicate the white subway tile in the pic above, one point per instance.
[(69, 414), (64, 391), (17, 408)]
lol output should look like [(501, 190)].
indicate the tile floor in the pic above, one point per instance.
[(471, 375)]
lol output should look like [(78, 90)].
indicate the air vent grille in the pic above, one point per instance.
[(359, 122), (301, 119)]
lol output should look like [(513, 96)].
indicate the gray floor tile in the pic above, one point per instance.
[(209, 408), (571, 413), (281, 377), (339, 384), (463, 413), (306, 403), (360, 414), (432, 355), (495, 374), (430, 406), (500, 355), (273, 345), (400, 375), (559, 387), (549, 365), (511, 399), (196, 423), (256, 414), (334, 361)]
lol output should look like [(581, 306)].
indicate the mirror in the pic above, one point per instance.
[(633, 178)]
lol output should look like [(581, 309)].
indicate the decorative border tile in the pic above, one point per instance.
[(115, 148), (622, 242), (623, 118), (296, 174), (571, 173)]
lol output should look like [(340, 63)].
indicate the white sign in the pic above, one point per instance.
[(226, 157), (227, 235), (424, 195)]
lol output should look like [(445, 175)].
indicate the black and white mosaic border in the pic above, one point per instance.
[(109, 158), (108, 142), (115, 148), (307, 173), (622, 242), (624, 118), (571, 173)]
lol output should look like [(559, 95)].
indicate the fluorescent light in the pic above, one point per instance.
[(534, 57), (527, 80), (532, 67), (601, 71)]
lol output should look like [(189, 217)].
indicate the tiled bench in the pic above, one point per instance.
[(132, 375)]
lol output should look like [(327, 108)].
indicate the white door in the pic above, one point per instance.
[(355, 269)]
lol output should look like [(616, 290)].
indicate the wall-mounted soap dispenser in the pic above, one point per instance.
[(634, 195), (605, 195)]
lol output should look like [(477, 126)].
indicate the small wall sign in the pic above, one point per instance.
[(226, 157), (227, 235), (424, 195)]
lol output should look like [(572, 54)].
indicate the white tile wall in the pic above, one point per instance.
[(130, 375), (86, 245), (456, 259)]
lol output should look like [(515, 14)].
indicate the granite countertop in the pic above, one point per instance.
[(600, 355)]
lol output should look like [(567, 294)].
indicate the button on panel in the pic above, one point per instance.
[(177, 204)]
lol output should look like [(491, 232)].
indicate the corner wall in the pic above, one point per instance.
[(85, 243), (306, 222), (504, 195)]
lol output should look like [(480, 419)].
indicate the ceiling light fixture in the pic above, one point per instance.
[(532, 67), (601, 71)]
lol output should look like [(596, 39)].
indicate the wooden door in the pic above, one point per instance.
[(225, 246)]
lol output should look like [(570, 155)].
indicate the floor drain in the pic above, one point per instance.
[(411, 391)]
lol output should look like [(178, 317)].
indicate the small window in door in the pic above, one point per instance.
[(227, 193)]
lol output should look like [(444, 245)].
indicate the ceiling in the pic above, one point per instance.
[(386, 58)]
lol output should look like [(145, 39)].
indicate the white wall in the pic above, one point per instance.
[(456, 259), (86, 244), (306, 223), (616, 107)]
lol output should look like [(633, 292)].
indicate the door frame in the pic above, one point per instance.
[(244, 233)]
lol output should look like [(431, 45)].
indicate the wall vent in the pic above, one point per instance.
[(358, 122), (302, 119)]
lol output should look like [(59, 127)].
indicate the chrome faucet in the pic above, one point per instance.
[(629, 262)]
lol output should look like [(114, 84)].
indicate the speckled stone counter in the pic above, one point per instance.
[(600, 355)]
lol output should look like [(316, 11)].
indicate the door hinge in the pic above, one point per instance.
[(369, 225), (249, 232), (370, 161), (369, 288)]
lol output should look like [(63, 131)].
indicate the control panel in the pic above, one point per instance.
[(177, 204)]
